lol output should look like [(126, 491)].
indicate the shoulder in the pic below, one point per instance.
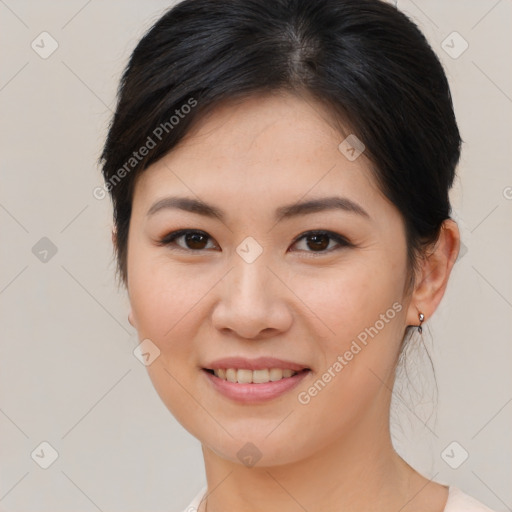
[(194, 504), (458, 501)]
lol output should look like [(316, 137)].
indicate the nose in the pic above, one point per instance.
[(253, 302)]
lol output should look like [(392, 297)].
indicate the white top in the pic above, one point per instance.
[(458, 501)]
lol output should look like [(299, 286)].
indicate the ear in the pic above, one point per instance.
[(114, 236), (130, 318), (433, 273)]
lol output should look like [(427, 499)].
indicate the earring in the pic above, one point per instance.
[(421, 317)]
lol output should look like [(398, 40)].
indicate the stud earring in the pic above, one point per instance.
[(421, 317)]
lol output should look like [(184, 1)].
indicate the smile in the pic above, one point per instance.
[(246, 376), (246, 386)]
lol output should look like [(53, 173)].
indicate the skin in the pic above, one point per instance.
[(292, 302)]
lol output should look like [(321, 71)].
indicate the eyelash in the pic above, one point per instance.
[(169, 240)]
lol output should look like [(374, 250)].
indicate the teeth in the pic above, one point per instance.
[(260, 376), (244, 376), (275, 374)]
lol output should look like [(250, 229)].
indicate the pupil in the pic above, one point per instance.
[(195, 240), (318, 242)]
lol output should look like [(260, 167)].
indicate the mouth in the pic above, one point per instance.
[(248, 376), (254, 386)]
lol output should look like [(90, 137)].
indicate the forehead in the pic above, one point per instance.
[(266, 148)]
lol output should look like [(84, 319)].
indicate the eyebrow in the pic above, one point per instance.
[(283, 212)]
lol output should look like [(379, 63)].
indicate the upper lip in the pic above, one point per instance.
[(260, 363)]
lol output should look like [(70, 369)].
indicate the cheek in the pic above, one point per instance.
[(165, 301), (362, 308), (348, 299), (163, 296)]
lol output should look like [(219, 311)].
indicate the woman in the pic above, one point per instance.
[(280, 174)]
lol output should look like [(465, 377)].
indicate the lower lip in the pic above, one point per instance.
[(254, 393)]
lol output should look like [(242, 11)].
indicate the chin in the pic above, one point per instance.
[(257, 446)]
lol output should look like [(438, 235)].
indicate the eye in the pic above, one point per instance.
[(188, 239), (321, 241), (313, 241)]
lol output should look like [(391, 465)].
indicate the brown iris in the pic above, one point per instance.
[(196, 240), (318, 242)]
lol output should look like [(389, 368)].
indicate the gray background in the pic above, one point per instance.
[(68, 375)]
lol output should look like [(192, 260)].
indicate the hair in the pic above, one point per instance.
[(363, 59)]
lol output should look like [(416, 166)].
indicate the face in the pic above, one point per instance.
[(297, 263)]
